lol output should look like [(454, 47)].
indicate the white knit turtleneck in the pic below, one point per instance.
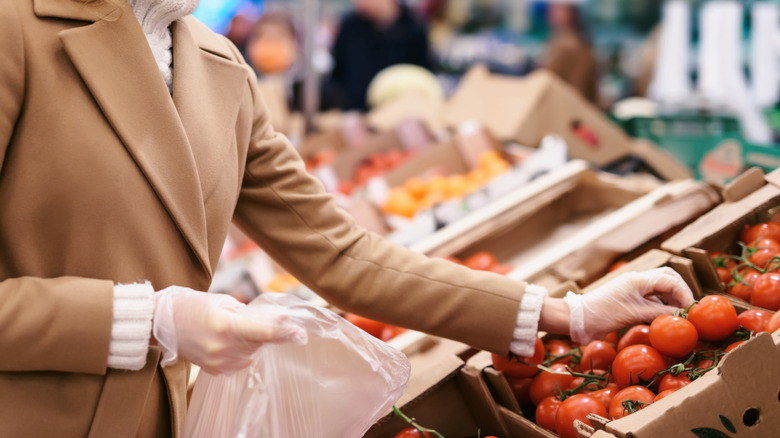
[(155, 17)]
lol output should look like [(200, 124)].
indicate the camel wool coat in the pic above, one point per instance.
[(107, 178)]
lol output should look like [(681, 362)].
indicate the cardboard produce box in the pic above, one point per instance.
[(526, 109), (738, 398), (572, 223), (747, 200), (446, 396)]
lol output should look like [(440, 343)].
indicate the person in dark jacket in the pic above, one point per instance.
[(376, 35)]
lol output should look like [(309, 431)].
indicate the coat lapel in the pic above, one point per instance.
[(115, 61), (207, 91)]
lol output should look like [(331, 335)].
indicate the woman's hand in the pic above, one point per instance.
[(208, 330), (631, 298)]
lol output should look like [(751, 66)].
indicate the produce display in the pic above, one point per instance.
[(627, 371), (378, 164), (752, 275)]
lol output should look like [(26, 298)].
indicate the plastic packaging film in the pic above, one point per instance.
[(336, 384)]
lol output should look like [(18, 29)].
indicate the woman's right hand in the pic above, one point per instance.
[(208, 330)]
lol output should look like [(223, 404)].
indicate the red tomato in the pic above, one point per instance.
[(765, 249), (673, 336), (373, 328), (774, 323), (635, 363), (606, 395), (390, 331), (743, 289), (592, 386), (612, 338), (481, 261), (547, 412), (673, 382), (557, 347), (576, 407), (705, 364), (500, 268), (634, 393), (766, 291), (714, 317), (546, 384), (725, 275), (754, 320), (724, 264), (520, 389), (597, 354), (413, 432), (733, 346), (663, 394), (512, 367), (638, 334), (766, 229)]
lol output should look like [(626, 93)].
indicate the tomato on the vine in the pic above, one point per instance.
[(637, 394), (731, 347), (593, 383), (547, 412), (606, 394), (413, 432), (723, 264), (766, 291), (765, 229), (754, 320), (597, 354), (545, 384), (743, 288), (576, 407), (638, 334), (637, 363), (521, 389), (774, 323), (714, 317), (558, 347), (512, 365), (673, 382), (673, 336), (663, 394), (612, 338), (763, 250)]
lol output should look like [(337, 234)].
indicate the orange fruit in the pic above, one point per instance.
[(416, 187), (400, 202)]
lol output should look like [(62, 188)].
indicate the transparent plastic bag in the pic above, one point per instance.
[(336, 384)]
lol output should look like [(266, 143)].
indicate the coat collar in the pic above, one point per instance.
[(163, 135)]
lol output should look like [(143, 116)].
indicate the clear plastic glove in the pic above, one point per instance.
[(210, 331), (631, 298)]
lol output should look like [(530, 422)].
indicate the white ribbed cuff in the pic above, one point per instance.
[(527, 324), (132, 326)]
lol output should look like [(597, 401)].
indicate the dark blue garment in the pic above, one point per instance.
[(362, 50)]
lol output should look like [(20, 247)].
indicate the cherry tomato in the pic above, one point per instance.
[(576, 407), (500, 268), (731, 347), (673, 336), (547, 412), (413, 432), (520, 389), (766, 291), (765, 250), (673, 382), (766, 229), (754, 320), (638, 334), (636, 363), (591, 386), (635, 393), (704, 364), (606, 395), (481, 261), (373, 328), (774, 323), (545, 384), (612, 338), (663, 394), (557, 347), (714, 317), (743, 289), (597, 354), (724, 274), (512, 367), (724, 264)]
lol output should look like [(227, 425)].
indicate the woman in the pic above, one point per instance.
[(570, 54), (130, 137)]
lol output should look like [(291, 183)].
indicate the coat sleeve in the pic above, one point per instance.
[(61, 324), (287, 212)]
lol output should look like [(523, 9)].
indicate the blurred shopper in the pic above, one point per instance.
[(377, 34), (130, 137), (570, 54), (274, 52)]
